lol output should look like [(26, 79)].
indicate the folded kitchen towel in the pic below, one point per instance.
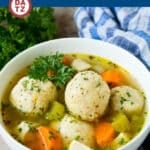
[(127, 27)]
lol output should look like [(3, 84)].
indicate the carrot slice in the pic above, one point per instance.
[(50, 138), (105, 134), (112, 77), (50, 73), (44, 138), (67, 60), (33, 141)]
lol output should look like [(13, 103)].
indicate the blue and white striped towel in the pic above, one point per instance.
[(127, 27)]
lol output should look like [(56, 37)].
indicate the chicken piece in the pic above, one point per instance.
[(80, 64), (75, 145)]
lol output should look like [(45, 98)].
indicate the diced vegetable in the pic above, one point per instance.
[(67, 60), (121, 123), (98, 68), (105, 134), (44, 138), (55, 124), (56, 111), (75, 145), (22, 130), (33, 141), (51, 138), (136, 123), (120, 140), (112, 77), (80, 65)]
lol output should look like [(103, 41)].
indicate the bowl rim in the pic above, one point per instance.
[(146, 127)]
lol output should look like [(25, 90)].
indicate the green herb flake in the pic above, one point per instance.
[(145, 112), (91, 57), (122, 100), (81, 88), (25, 84), (73, 121), (98, 84), (132, 103), (19, 129), (82, 73), (112, 64), (128, 94), (122, 141), (85, 78), (121, 108), (77, 137), (19, 34), (143, 94)]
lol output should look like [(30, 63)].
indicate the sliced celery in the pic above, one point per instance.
[(56, 111), (121, 123)]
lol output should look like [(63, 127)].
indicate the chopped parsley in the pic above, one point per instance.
[(91, 57), (112, 64), (85, 78), (143, 94), (77, 137), (20, 129), (98, 84), (128, 94), (25, 84), (122, 141), (83, 73), (73, 121), (30, 86), (122, 100)]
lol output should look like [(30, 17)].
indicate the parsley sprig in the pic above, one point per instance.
[(59, 74), (18, 34)]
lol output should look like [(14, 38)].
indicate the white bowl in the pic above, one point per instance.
[(70, 45)]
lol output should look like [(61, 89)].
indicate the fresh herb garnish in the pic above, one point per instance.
[(42, 65), (18, 34), (98, 84)]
